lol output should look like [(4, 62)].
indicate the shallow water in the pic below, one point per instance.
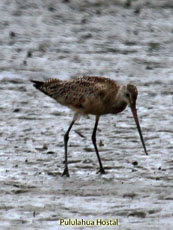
[(109, 38)]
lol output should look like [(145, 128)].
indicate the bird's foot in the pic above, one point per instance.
[(66, 172), (101, 171)]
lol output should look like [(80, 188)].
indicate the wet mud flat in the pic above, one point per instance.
[(128, 42)]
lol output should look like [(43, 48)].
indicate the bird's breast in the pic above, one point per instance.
[(118, 108)]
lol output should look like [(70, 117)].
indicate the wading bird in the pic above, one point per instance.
[(91, 95)]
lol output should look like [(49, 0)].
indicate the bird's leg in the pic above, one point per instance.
[(101, 170), (66, 137)]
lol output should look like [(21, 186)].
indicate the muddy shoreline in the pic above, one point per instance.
[(128, 42)]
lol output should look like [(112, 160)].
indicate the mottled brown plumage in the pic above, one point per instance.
[(86, 95), (91, 95)]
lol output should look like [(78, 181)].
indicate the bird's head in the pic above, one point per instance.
[(130, 94)]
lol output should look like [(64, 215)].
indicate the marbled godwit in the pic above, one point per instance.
[(91, 95)]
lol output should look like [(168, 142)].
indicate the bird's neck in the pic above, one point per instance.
[(119, 107), (119, 104)]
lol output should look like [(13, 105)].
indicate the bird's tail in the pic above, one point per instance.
[(37, 84), (49, 87)]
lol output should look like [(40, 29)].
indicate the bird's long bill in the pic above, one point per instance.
[(134, 112)]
